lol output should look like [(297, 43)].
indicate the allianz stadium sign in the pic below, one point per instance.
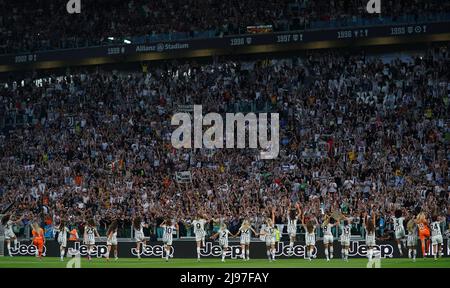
[(186, 249)]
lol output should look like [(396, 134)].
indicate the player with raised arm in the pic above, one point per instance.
[(411, 241), (269, 235), (245, 230), (62, 238), (436, 236), (424, 232), (369, 226), (310, 236), (90, 232), (8, 221), (399, 229), (111, 240), (292, 216), (169, 227), (328, 239), (345, 238), (199, 231), (138, 226), (223, 239)]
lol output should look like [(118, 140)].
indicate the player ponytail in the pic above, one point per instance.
[(5, 219)]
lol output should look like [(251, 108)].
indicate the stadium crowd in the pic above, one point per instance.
[(29, 26), (358, 133)]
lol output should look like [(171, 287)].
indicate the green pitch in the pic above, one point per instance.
[(53, 262)]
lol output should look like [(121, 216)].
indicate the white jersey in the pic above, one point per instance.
[(398, 227), (327, 235), (199, 226), (245, 235), (436, 229), (9, 233), (113, 239), (199, 229), (412, 238), (436, 234), (223, 237), (370, 238), (269, 234), (168, 234), (310, 238), (62, 235), (139, 233), (292, 226), (345, 236), (90, 235)]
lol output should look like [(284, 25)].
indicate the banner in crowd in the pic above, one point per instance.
[(232, 44), (187, 249), (183, 177)]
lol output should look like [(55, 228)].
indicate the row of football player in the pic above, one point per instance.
[(417, 226)]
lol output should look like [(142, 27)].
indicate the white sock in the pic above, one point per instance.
[(311, 252), (243, 254), (273, 253), (409, 253), (248, 253), (223, 254), (15, 243), (399, 245), (326, 253), (291, 246), (9, 248), (268, 254), (414, 253), (198, 252), (62, 253), (331, 252)]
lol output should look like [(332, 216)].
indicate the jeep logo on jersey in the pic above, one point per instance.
[(156, 250), (26, 250), (360, 249), (97, 250)]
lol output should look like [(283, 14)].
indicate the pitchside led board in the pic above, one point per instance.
[(186, 249)]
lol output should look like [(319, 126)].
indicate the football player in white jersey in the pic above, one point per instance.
[(328, 239), (8, 221), (223, 239), (412, 239), (246, 231), (111, 240), (90, 232), (436, 235), (369, 226), (399, 229), (169, 228), (199, 231), (310, 236), (62, 238), (269, 233), (345, 238), (292, 217), (138, 226)]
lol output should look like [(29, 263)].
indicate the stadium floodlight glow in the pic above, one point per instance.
[(111, 38), (126, 41)]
